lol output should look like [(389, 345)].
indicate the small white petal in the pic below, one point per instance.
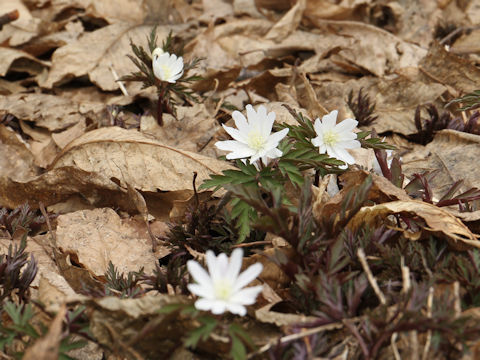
[(248, 276), (275, 138), (240, 122), (218, 307), (201, 290), (236, 309), (198, 273), (235, 265), (351, 144), (239, 150), (346, 125), (344, 155), (251, 115), (330, 120), (236, 134), (247, 296), (267, 123)]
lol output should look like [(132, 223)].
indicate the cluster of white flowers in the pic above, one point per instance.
[(253, 137), (166, 67)]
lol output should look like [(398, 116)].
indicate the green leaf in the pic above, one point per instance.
[(202, 332)]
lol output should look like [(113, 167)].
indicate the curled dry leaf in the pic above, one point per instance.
[(49, 111), (450, 69), (60, 184), (77, 59), (387, 55), (47, 347), (21, 30), (96, 237), (453, 153), (113, 320), (16, 161), (145, 163), (437, 220), (19, 61), (396, 99)]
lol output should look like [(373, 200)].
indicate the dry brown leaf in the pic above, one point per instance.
[(396, 99), (19, 61), (355, 39), (338, 10), (96, 237), (381, 191), (112, 43), (46, 348), (467, 44), (60, 184), (113, 320), (16, 161), (453, 153), (193, 128), (21, 30), (145, 163), (449, 69), (438, 221), (49, 111), (288, 23), (267, 316)]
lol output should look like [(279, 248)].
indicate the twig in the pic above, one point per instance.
[(8, 17), (429, 332), (370, 277), (120, 83), (393, 340), (291, 337), (457, 306)]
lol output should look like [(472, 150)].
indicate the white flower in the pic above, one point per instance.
[(221, 289), (253, 138), (334, 138), (166, 67)]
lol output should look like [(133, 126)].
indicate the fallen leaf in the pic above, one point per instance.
[(49, 111), (19, 61), (47, 347), (99, 236), (452, 153), (145, 163), (111, 45), (450, 69), (438, 221)]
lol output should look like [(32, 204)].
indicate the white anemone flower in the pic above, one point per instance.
[(334, 139), (222, 288), (167, 67), (253, 138)]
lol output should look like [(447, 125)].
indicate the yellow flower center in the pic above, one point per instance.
[(223, 289), (330, 137), (255, 140), (166, 70)]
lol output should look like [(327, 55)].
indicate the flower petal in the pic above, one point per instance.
[(350, 144), (239, 150), (344, 155), (330, 120), (235, 265), (251, 115), (202, 291), (212, 265), (346, 125), (237, 135), (266, 120), (275, 138), (248, 275), (236, 309), (246, 296), (198, 273), (240, 122)]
